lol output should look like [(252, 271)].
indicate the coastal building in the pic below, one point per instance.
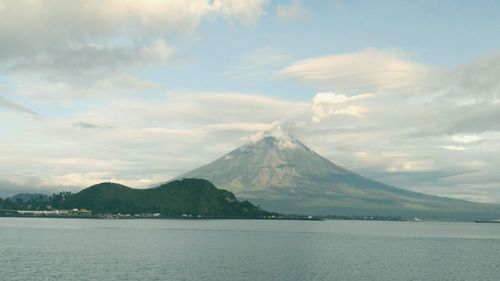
[(79, 212)]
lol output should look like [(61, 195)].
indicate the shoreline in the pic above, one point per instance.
[(243, 218)]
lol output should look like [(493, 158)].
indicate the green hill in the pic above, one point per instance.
[(186, 196)]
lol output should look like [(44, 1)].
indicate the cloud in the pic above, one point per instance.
[(48, 25), (258, 64), (245, 11), (411, 166), (293, 11), (472, 83), (36, 25), (465, 138), (78, 90), (408, 135), (463, 99), (67, 39), (364, 71), (453, 147), (474, 118), (8, 188), (15, 107), (85, 125), (325, 105), (84, 62)]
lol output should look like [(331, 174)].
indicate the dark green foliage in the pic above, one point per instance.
[(186, 196)]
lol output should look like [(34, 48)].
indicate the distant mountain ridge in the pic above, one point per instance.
[(26, 197), (281, 174)]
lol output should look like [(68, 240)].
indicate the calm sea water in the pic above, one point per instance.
[(81, 249)]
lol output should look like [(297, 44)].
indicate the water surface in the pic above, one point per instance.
[(85, 249)]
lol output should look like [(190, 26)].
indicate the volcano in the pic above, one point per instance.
[(281, 174)]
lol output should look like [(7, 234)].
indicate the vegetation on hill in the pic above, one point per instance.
[(186, 196)]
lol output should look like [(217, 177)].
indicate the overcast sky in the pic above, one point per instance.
[(405, 92)]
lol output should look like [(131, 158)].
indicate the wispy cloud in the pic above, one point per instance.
[(15, 107), (258, 64), (364, 71), (85, 125), (88, 63)]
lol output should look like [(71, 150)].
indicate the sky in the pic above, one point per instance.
[(138, 92)]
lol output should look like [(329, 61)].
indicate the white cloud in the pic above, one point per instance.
[(246, 11), (411, 166), (285, 141), (453, 147), (332, 98), (326, 105), (465, 138), (35, 25), (369, 70)]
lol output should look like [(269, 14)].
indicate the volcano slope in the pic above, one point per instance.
[(281, 174)]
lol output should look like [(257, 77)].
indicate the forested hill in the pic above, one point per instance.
[(186, 196)]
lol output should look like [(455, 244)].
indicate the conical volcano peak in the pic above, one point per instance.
[(280, 173), (276, 137)]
